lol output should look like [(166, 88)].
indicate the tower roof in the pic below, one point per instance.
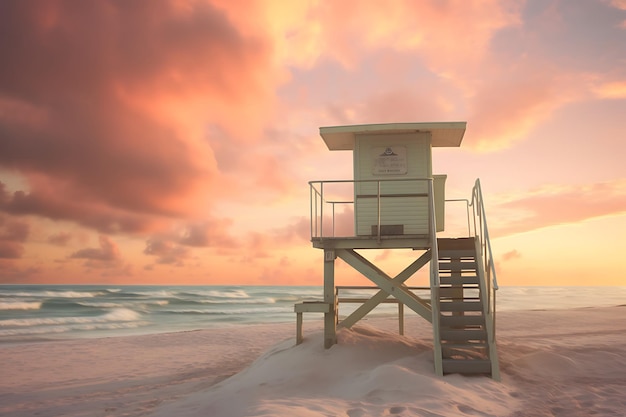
[(443, 134)]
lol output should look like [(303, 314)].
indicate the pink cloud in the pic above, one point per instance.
[(167, 252), (435, 66), (47, 201), (10, 250), (211, 233), (13, 234), (116, 98), (13, 230), (618, 4), (401, 104), (438, 31), (173, 248), (299, 230), (343, 224), (551, 206), (621, 5), (11, 273), (266, 171), (258, 246), (60, 238), (106, 255), (516, 97)]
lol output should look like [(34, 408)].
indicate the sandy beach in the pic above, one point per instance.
[(553, 363)]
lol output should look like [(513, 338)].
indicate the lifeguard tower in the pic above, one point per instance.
[(399, 204)]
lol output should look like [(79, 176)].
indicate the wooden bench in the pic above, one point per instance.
[(308, 307)]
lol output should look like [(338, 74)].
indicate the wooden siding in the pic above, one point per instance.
[(408, 204), (411, 212)]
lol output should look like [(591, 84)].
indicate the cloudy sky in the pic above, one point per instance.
[(172, 141)]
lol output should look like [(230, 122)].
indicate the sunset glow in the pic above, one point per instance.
[(171, 142)]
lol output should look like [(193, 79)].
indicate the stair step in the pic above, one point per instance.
[(470, 294), (465, 320), (463, 335), (469, 346), (466, 366), (459, 352), (460, 306), (458, 292), (459, 280), (455, 254), (457, 297), (457, 266), (444, 244)]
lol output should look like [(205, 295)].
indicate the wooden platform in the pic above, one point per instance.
[(417, 242)]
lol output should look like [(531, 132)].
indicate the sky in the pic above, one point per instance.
[(171, 142)]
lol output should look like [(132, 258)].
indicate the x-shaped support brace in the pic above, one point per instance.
[(388, 286)]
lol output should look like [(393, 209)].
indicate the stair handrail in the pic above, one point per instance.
[(482, 231), (479, 204), (489, 271)]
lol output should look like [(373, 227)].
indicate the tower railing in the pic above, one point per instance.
[(326, 195)]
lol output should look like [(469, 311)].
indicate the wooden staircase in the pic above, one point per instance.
[(467, 347)]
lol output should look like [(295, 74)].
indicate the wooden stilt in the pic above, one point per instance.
[(298, 327), (330, 318)]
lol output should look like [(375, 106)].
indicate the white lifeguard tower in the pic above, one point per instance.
[(398, 203)]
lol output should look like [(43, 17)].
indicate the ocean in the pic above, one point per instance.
[(45, 312)]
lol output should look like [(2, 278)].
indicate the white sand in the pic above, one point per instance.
[(553, 363)]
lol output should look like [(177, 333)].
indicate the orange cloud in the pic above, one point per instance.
[(438, 31), (611, 90), (514, 254), (618, 4)]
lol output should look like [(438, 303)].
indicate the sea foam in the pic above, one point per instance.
[(20, 305), (52, 294), (118, 314)]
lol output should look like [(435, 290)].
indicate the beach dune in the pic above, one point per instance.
[(553, 363)]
